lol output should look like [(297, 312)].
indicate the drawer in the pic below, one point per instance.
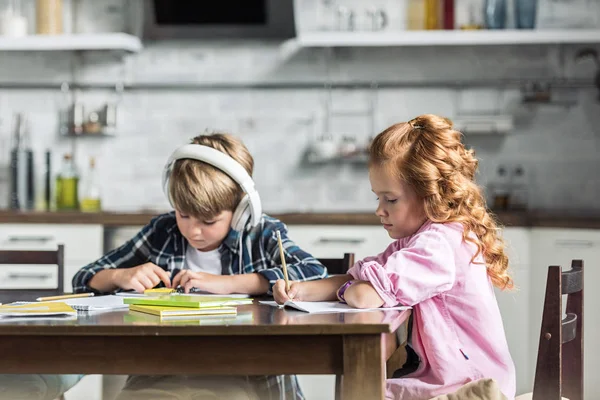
[(82, 242), (28, 276), (334, 241)]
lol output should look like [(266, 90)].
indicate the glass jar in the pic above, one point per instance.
[(13, 22)]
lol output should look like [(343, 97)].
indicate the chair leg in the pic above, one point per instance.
[(338, 387)]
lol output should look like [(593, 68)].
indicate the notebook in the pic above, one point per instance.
[(165, 312), (136, 317), (97, 303), (320, 307), (44, 309), (187, 301)]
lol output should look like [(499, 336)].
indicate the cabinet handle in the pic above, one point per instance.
[(24, 275), (340, 240), (571, 243), (29, 239)]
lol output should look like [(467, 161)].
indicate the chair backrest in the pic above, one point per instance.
[(559, 370), (48, 257), (338, 266)]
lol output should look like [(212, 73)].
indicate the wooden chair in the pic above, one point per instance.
[(338, 266), (48, 257), (559, 369)]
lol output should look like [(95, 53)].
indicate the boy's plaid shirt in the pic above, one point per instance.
[(161, 243)]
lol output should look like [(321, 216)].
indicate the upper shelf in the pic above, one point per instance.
[(73, 42), (445, 38)]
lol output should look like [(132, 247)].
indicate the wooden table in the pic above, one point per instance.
[(261, 340)]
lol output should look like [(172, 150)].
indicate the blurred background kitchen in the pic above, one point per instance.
[(95, 94)]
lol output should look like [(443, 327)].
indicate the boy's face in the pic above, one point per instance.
[(205, 235), (400, 210)]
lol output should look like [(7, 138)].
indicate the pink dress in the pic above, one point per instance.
[(457, 328)]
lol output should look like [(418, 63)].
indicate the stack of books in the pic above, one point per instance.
[(173, 307)]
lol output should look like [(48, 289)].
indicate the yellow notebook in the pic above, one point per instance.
[(139, 318), (165, 312), (38, 309), (191, 301)]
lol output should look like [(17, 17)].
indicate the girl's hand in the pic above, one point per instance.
[(280, 294), (201, 280), (140, 278)]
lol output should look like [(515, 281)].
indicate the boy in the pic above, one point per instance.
[(217, 240)]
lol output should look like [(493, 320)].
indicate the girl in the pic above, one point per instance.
[(444, 263)]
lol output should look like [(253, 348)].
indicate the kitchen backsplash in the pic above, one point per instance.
[(557, 146)]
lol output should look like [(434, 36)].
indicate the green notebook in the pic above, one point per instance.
[(188, 301)]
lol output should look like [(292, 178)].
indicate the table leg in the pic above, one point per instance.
[(364, 368)]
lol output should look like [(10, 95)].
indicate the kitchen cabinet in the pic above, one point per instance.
[(83, 244), (514, 304), (559, 247)]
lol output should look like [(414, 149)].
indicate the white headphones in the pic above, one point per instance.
[(248, 208)]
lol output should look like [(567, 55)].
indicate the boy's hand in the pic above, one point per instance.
[(201, 280), (142, 277), (280, 295)]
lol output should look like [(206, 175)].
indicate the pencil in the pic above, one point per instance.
[(64, 297), (283, 265)]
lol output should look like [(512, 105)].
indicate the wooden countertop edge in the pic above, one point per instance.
[(548, 219)]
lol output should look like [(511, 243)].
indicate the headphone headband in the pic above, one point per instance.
[(221, 161)]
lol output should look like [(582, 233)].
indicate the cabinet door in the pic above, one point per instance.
[(559, 247), (514, 304)]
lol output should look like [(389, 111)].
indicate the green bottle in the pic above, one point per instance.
[(67, 183), (90, 200)]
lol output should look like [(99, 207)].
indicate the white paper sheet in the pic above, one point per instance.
[(320, 307)]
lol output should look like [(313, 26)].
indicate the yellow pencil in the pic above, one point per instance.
[(64, 297), (283, 265)]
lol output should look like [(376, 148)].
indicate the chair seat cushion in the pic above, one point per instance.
[(529, 396), (483, 389)]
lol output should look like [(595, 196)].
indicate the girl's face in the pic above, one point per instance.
[(400, 210), (204, 235)]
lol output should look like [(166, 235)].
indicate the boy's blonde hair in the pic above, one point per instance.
[(202, 190), (429, 155)]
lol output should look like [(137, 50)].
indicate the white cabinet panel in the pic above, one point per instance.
[(559, 247), (514, 304), (334, 240), (518, 245), (83, 244), (25, 276), (514, 308)]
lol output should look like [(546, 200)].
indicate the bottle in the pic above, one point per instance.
[(432, 14), (468, 14), (48, 17), (90, 200), (22, 191), (415, 15), (495, 14), (448, 15), (67, 183)]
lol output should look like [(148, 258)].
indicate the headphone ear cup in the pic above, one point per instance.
[(241, 214)]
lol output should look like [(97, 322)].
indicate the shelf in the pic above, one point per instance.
[(445, 38), (101, 41)]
